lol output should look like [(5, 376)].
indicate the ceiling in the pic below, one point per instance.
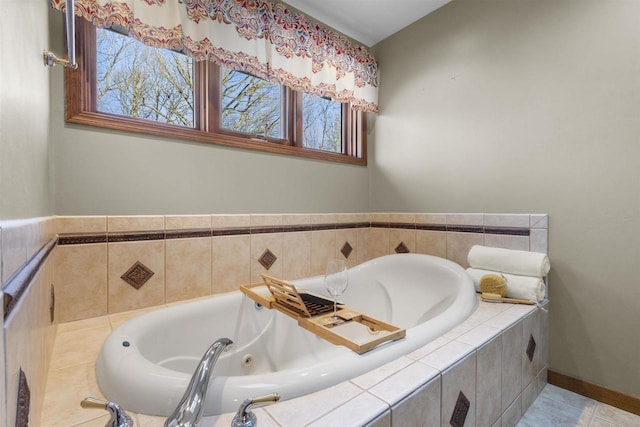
[(367, 21)]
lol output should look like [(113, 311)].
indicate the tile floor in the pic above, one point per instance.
[(558, 407)]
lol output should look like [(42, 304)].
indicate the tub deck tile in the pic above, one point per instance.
[(447, 355), (371, 378), (404, 382), (356, 412)]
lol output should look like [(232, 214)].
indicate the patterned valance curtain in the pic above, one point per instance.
[(263, 38)]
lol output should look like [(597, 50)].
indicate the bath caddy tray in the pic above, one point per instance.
[(352, 329)]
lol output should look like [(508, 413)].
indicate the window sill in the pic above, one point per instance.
[(127, 124)]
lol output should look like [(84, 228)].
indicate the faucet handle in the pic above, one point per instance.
[(118, 417), (244, 417)]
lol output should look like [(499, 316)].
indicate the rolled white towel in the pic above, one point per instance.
[(510, 261), (522, 287)]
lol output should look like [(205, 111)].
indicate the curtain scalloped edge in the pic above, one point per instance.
[(356, 62)]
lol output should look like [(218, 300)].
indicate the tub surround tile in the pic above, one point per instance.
[(511, 365), (230, 263), (429, 348), (479, 335), (76, 347), (363, 241), (380, 217), (520, 243), (347, 246), (224, 420), (450, 353), (324, 218), (431, 243), (266, 255), (539, 221), (28, 342), (458, 403), (507, 318), (136, 223), (81, 281), (383, 420), (459, 244), (323, 249), (296, 262), (304, 410), (230, 221), (528, 396), (420, 408), (465, 219), (404, 382), (431, 218), (377, 375), (121, 256), (356, 412), (402, 218), (186, 222), (137, 275), (506, 220), (531, 355), (538, 241), (117, 319), (188, 268), (14, 247), (513, 413), (379, 242), (80, 224), (70, 385), (79, 325), (402, 241), (489, 382)]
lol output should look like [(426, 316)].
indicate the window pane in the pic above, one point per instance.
[(251, 105), (136, 80), (322, 123)]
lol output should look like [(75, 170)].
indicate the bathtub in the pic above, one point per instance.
[(146, 363)]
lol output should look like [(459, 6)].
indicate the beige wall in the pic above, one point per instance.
[(24, 110), (529, 106), (102, 172)]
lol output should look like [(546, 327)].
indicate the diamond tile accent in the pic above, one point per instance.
[(267, 259), (137, 275), (460, 411), (24, 401), (531, 348), (402, 249), (346, 249)]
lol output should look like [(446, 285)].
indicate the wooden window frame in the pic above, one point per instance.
[(80, 86)]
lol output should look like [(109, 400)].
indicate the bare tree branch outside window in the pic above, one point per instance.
[(136, 80)]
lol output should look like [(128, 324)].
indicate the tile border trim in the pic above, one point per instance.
[(87, 238), (16, 286)]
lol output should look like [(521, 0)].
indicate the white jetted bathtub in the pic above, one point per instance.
[(146, 364)]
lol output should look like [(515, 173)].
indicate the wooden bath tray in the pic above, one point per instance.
[(353, 330)]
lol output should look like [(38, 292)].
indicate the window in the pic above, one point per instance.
[(123, 84)]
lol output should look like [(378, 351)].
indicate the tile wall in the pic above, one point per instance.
[(105, 265), (175, 258), (28, 331)]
